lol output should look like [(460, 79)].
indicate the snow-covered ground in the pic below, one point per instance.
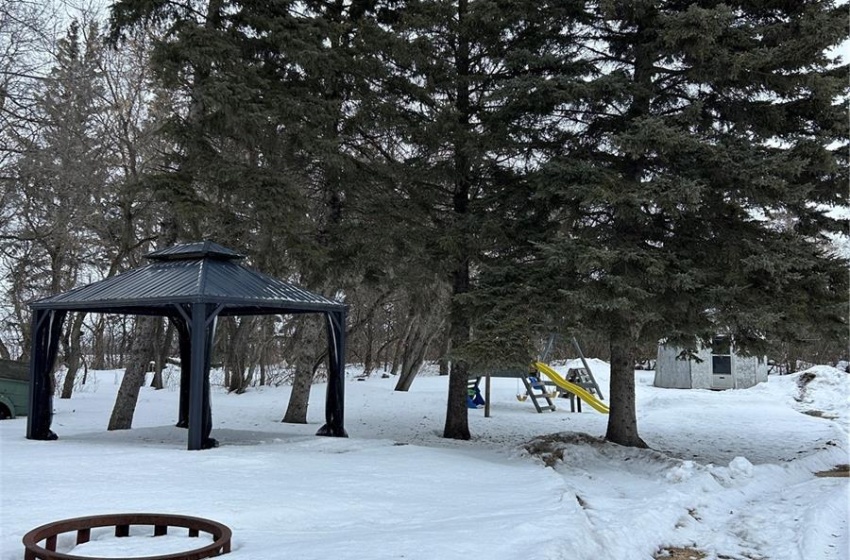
[(731, 474)]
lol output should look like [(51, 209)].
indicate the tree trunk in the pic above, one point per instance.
[(415, 349), (399, 346), (457, 421), (412, 357), (73, 355), (383, 354), (236, 357), (122, 352), (368, 353), (18, 280), (163, 348), (445, 348), (98, 345), (793, 362), (404, 352), (134, 374), (304, 358), (622, 420), (457, 413), (299, 398), (266, 348)]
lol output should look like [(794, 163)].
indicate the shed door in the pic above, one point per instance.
[(721, 363)]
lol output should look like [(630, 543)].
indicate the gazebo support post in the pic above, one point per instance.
[(196, 376), (200, 412), (184, 340), (46, 330), (335, 396), (209, 333)]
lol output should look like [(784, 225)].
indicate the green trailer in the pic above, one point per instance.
[(14, 389)]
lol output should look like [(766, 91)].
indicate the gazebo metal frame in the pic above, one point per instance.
[(192, 285)]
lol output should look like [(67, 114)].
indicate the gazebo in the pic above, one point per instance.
[(191, 284)]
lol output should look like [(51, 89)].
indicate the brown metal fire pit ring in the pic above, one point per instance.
[(122, 521)]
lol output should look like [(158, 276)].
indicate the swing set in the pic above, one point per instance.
[(578, 385)]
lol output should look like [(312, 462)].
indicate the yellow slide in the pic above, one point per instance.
[(578, 391)]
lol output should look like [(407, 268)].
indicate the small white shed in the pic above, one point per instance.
[(716, 367)]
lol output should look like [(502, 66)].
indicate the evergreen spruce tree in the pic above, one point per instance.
[(227, 163), (266, 135), (462, 72), (621, 167), (703, 124), (267, 123)]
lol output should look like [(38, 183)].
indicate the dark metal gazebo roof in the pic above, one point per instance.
[(203, 272), (191, 284)]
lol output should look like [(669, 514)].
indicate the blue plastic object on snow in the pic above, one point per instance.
[(474, 398)]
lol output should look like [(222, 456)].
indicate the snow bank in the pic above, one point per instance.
[(824, 391)]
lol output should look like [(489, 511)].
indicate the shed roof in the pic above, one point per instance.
[(201, 272)]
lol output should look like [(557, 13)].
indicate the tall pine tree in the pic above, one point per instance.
[(266, 131), (702, 124), (461, 73)]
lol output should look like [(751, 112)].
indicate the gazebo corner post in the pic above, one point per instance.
[(202, 336), (46, 330), (335, 397), (196, 376), (209, 333), (184, 337)]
